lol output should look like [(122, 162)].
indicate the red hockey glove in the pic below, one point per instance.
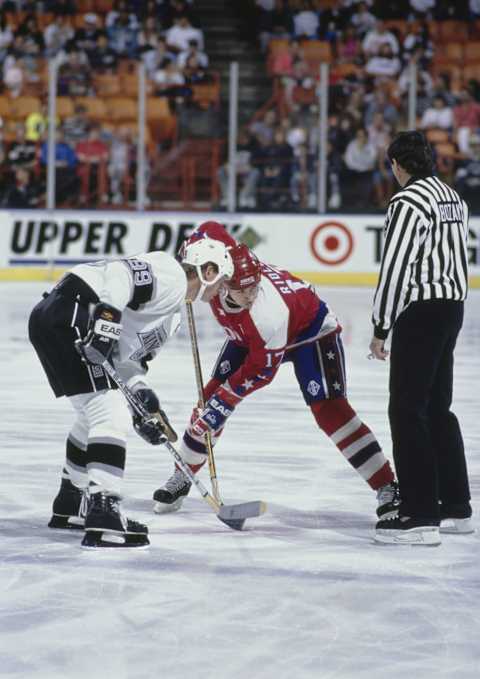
[(217, 409)]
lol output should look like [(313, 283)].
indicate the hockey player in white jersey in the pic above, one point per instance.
[(122, 311)]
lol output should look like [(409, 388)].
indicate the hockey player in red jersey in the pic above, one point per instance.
[(271, 317)]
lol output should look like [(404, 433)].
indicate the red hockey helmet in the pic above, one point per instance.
[(246, 265)]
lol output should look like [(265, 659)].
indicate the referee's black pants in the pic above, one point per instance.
[(427, 442)]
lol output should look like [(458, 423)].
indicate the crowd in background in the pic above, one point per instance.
[(369, 44), (165, 35)]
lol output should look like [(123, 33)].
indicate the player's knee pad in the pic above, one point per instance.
[(108, 417), (332, 414)]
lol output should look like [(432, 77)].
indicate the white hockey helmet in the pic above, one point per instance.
[(208, 250)]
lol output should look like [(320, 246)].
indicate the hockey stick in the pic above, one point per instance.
[(233, 516), (201, 400)]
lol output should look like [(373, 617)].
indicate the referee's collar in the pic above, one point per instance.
[(415, 178)]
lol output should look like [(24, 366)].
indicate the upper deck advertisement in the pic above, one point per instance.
[(337, 249)]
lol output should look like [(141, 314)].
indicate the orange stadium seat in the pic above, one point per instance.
[(470, 72), (472, 52), (436, 135), (23, 106), (96, 108), (122, 108), (317, 51), (107, 85), (84, 6), (64, 107), (103, 6), (453, 31), (452, 52), (6, 108)]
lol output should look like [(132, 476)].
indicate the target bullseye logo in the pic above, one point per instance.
[(331, 243)]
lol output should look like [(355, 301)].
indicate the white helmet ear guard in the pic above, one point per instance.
[(207, 250)]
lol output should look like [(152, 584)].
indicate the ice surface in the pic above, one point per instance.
[(302, 593)]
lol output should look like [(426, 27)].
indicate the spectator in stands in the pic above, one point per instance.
[(275, 163), (121, 7), (360, 161), (417, 41), (362, 20), (349, 49), (175, 9), (6, 36), (123, 34), (381, 104), (474, 10), (275, 23), (22, 193), (22, 152), (438, 115), (36, 123), (264, 128), (306, 23), (383, 64), (148, 36), (422, 9), (467, 178), (13, 74), (247, 175), (119, 163), (441, 84), (376, 37), (74, 75), (57, 35), (466, 116), (75, 128), (85, 38), (103, 59), (193, 63), (66, 180), (92, 154), (424, 82), (154, 59), (179, 36), (170, 82), (355, 106)]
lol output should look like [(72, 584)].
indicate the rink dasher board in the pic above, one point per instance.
[(324, 249)]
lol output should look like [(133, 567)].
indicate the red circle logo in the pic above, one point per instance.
[(331, 243)]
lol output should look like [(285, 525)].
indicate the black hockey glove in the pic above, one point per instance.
[(155, 429), (104, 328)]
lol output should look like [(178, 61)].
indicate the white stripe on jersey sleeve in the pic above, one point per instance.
[(271, 314)]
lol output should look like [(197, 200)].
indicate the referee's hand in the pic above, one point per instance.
[(377, 349)]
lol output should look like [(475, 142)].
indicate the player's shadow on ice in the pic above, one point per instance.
[(319, 519)]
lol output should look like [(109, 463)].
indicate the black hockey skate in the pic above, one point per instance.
[(68, 510), (169, 497), (107, 527), (388, 498)]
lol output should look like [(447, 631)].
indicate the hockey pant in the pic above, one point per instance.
[(320, 371), (96, 444)]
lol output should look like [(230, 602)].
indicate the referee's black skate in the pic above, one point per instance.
[(107, 527), (170, 496), (69, 506), (388, 499)]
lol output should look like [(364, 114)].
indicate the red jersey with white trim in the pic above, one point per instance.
[(285, 313)]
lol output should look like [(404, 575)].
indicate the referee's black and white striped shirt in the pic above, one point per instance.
[(425, 250)]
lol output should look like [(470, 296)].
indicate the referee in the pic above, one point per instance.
[(419, 297)]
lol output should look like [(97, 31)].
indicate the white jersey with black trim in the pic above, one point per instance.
[(149, 290)]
